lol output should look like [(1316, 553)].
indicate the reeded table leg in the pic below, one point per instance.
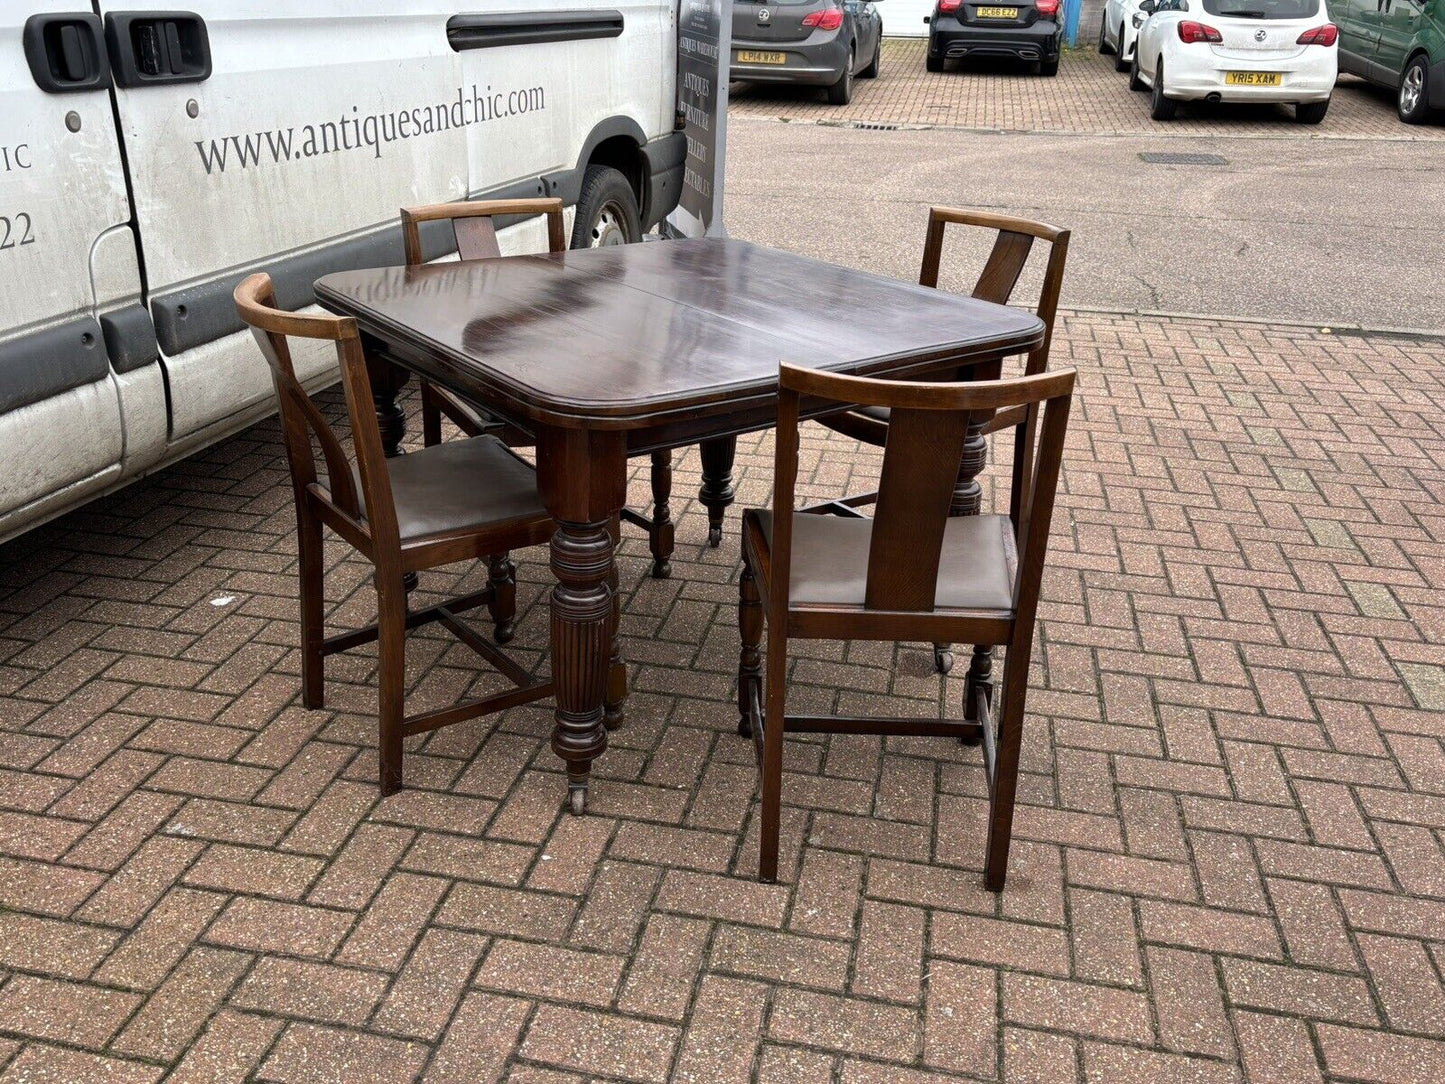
[(387, 380), (716, 492), (584, 484), (661, 537), (616, 696), (968, 501)]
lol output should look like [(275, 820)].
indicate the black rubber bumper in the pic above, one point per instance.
[(1041, 41)]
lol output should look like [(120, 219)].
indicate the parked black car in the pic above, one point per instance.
[(1029, 30), (813, 42)]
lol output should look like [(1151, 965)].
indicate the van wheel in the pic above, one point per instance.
[(841, 92), (1311, 112), (606, 210), (1413, 104), (1120, 64), (1160, 107)]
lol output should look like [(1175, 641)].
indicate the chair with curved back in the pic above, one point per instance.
[(464, 500), (913, 571), (476, 235)]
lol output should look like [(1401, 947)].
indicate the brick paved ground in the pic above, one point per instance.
[(1086, 96), (1228, 863)]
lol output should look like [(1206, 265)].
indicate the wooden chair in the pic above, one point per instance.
[(1012, 245), (476, 234), (912, 572), (453, 502)]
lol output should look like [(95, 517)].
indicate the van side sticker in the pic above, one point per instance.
[(14, 158), (368, 131), (15, 230)]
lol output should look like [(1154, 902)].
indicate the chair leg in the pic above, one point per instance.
[(391, 651), (750, 626), (313, 662), (502, 577), (661, 535), (431, 417), (1006, 767), (772, 782)]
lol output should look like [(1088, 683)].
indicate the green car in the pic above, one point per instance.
[(1398, 44)]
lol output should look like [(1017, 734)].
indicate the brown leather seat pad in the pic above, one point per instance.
[(976, 567), (462, 484)]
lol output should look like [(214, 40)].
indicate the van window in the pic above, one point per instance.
[(1263, 9)]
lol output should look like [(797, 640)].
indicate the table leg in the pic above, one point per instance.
[(616, 696), (583, 479), (661, 538), (968, 501), (717, 492), (387, 380)]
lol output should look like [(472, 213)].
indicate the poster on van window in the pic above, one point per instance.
[(704, 54)]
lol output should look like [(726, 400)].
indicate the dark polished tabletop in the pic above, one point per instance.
[(621, 337)]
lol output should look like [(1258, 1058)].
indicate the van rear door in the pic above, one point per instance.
[(66, 252), (281, 135)]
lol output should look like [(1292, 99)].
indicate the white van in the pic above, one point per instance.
[(150, 160)]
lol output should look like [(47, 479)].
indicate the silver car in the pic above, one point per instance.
[(822, 43)]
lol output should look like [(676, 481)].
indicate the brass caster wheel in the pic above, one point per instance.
[(714, 537), (504, 632), (577, 800), (745, 727), (942, 659), (661, 570)]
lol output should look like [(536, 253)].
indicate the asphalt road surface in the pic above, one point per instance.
[(1333, 232)]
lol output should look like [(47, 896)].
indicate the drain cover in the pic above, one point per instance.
[(1169, 158)]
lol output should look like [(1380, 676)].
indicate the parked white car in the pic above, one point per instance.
[(1237, 51), (1119, 31)]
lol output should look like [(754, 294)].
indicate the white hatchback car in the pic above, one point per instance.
[(1119, 32), (1237, 51)]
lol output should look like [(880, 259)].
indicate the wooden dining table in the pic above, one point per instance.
[(610, 352)]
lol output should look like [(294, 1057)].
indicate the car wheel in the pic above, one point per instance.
[(1311, 112), (841, 92), (1135, 82), (1104, 47), (1413, 104), (933, 63), (1160, 107), (606, 210), (1120, 64), (871, 71), (1049, 67)]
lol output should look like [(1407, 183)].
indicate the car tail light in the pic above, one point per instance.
[(1320, 35), (948, 7), (1047, 8), (829, 19), (1191, 32)]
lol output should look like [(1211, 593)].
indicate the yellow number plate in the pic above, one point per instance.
[(1253, 79), (747, 57), (998, 13)]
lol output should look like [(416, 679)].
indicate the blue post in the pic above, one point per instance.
[(1071, 20)]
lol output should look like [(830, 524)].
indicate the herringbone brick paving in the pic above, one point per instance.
[(1228, 862)]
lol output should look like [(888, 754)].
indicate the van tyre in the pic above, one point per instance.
[(1413, 104), (1120, 64), (1135, 82), (606, 210), (1311, 112), (841, 92), (1160, 107)]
